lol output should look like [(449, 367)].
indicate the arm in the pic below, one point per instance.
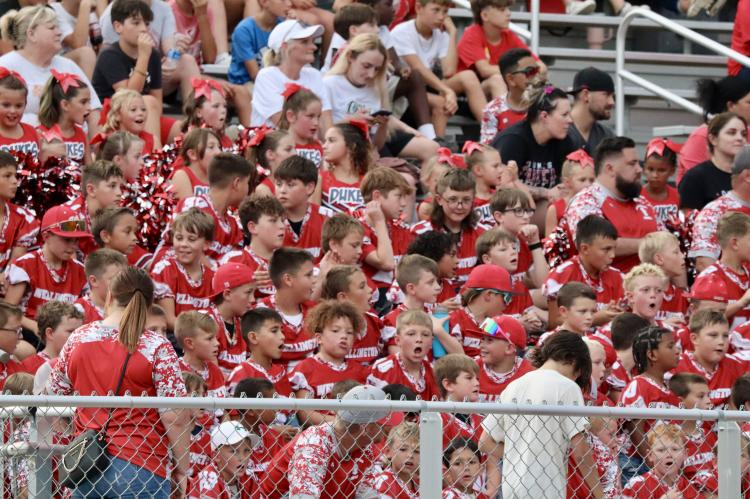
[(168, 305), (540, 267), (252, 69), (311, 418), (326, 121), (586, 466), (734, 307), (494, 452), (80, 34), (485, 69), (382, 257), (449, 342), (627, 246), (208, 42), (550, 220), (138, 77), (429, 77), (178, 426), (14, 295), (449, 63), (181, 185)]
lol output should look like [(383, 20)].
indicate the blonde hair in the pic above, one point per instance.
[(120, 101), (19, 383), (16, 24), (356, 47), (413, 318), (653, 243), (642, 270), (567, 168), (406, 431), (188, 323), (732, 224), (667, 431)]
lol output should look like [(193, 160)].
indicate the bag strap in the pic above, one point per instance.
[(117, 392)]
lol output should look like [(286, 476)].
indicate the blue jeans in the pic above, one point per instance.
[(124, 480), (631, 466)]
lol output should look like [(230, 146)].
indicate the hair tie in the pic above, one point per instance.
[(257, 135), (5, 72), (66, 80), (470, 147), (203, 87), (658, 144), (291, 89), (106, 107), (548, 89), (363, 127), (580, 156)]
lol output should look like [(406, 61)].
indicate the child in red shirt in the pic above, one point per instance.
[(463, 465), (268, 148), (300, 116), (347, 151), (20, 227), (56, 321), (399, 479), (484, 162), (100, 267), (440, 248), (658, 167), (10, 318), (198, 148), (663, 250), (63, 115), (577, 174), (16, 136), (499, 362), (196, 335), (116, 228), (183, 282), (201, 420), (625, 328), (334, 325), (51, 272)]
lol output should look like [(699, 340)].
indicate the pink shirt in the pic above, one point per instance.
[(188, 25)]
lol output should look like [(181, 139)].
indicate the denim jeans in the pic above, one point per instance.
[(124, 480), (631, 466)]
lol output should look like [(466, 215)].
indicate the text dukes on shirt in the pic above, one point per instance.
[(75, 145), (20, 227), (310, 231), (467, 241), (171, 280), (44, 284), (340, 196), (389, 370), (318, 376), (312, 151), (298, 343), (27, 143), (666, 209)]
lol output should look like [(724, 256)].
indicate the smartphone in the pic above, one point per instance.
[(382, 112)]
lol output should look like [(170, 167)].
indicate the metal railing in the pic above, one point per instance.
[(40, 445), (623, 74)]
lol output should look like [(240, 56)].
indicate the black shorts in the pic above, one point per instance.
[(395, 144)]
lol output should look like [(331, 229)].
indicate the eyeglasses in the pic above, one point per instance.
[(18, 331), (456, 202), (529, 71), (521, 212), (71, 226)]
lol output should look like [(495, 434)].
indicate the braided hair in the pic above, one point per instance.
[(648, 339)]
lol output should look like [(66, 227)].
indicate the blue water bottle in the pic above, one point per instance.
[(438, 350)]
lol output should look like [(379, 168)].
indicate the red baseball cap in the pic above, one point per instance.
[(488, 276), (229, 276), (64, 222), (710, 288), (506, 328)]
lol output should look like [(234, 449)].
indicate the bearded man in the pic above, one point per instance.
[(594, 93)]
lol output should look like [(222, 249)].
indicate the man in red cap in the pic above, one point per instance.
[(232, 293), (502, 339), (51, 272)]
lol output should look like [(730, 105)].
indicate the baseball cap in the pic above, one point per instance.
[(488, 276), (291, 29), (506, 328), (709, 288), (593, 80), (229, 276), (64, 222), (230, 433), (364, 392), (741, 161)]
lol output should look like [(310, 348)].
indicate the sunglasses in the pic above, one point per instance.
[(491, 327), (70, 226), (529, 71), (507, 297)]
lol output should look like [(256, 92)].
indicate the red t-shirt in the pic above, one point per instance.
[(666, 209), (369, 345), (91, 312), (483, 211), (492, 384), (700, 463), (608, 286), (648, 486), (198, 186), (75, 145), (740, 36), (311, 231), (262, 457), (467, 242), (20, 227), (454, 427), (473, 46), (720, 381), (401, 238), (643, 392), (298, 343), (211, 374), (32, 364), (44, 284), (674, 305), (313, 152), (256, 263), (317, 376), (720, 281), (464, 327), (251, 369), (232, 347), (171, 280), (391, 369), (27, 143), (340, 196)]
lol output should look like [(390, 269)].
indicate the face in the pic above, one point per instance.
[(432, 14), (337, 338), (393, 204), (731, 139), (558, 120), (597, 363), (284, 149), (131, 162), (8, 182), (580, 178), (306, 123), (666, 355), (188, 246), (47, 36), (503, 254), (365, 67), (213, 147), (742, 246), (133, 116), (292, 193), (301, 51), (268, 230), (456, 204), (79, 107), (404, 457), (465, 388), (527, 69), (415, 342), (448, 265), (303, 281), (495, 350), (213, 112), (741, 107), (499, 17), (348, 251), (490, 169), (697, 397), (513, 218), (657, 172), (384, 9), (427, 288), (130, 29), (601, 105), (667, 456), (600, 253), (608, 435), (123, 237), (100, 285), (205, 346), (240, 299), (12, 105), (268, 339), (62, 248), (627, 172), (157, 324), (579, 317), (360, 436), (106, 193), (232, 460), (10, 334), (334, 147), (251, 417), (463, 469), (671, 260), (59, 336), (711, 343), (646, 296), (359, 292)]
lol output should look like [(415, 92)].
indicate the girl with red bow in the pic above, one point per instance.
[(577, 174), (267, 148), (127, 112), (14, 135), (301, 115), (659, 165), (206, 106), (484, 162), (431, 172), (64, 108), (198, 148)]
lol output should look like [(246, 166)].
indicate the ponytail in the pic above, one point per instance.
[(133, 290)]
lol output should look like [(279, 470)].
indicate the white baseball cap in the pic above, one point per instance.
[(230, 433), (292, 29), (363, 392)]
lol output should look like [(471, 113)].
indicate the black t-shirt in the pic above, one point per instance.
[(598, 133), (113, 66), (702, 184), (538, 165)]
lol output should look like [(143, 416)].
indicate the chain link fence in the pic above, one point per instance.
[(273, 448)]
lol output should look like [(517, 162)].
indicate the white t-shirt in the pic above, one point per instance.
[(350, 99), (269, 84), (535, 460), (67, 24), (36, 77), (408, 41), (385, 36), (337, 43), (163, 25)]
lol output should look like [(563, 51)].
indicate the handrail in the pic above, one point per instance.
[(622, 74)]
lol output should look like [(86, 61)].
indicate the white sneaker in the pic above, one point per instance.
[(580, 7), (627, 7), (223, 59)]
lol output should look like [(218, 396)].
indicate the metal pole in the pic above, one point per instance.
[(430, 455), (40, 462), (729, 471), (535, 26)]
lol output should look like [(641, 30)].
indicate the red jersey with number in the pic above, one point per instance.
[(666, 209), (674, 305), (704, 240), (467, 242), (643, 392), (463, 326), (90, 310), (369, 345), (27, 143), (312, 151), (338, 196), (171, 280), (250, 369), (720, 381), (723, 283), (401, 237), (318, 376), (20, 227), (391, 369), (608, 287), (311, 231), (483, 211), (232, 346), (211, 374), (492, 383), (256, 263), (44, 284), (648, 486), (197, 186), (227, 227), (298, 343), (633, 219)]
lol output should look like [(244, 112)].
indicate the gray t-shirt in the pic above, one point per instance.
[(598, 133), (163, 26)]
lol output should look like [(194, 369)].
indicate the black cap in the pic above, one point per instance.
[(593, 80)]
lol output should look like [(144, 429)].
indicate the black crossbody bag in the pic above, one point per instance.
[(85, 458)]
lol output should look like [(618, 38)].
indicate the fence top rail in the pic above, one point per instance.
[(9, 404)]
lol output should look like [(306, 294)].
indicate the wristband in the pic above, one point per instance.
[(534, 246), (141, 72)]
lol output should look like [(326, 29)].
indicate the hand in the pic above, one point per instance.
[(380, 120), (613, 310), (145, 45), (85, 7), (509, 174), (374, 213), (451, 104), (555, 193), (529, 233), (450, 304), (326, 264), (168, 71), (438, 324), (55, 148), (179, 481), (286, 432), (676, 322), (304, 4), (181, 42), (531, 320), (404, 71), (448, 26), (745, 300), (199, 4), (261, 278)]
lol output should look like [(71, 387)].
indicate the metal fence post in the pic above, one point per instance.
[(729, 458), (40, 460), (430, 456)]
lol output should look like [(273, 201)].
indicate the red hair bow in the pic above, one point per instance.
[(362, 127), (291, 89), (9, 72), (203, 87), (66, 80), (50, 134), (106, 106), (258, 135), (582, 157), (446, 157), (470, 147), (658, 144)]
